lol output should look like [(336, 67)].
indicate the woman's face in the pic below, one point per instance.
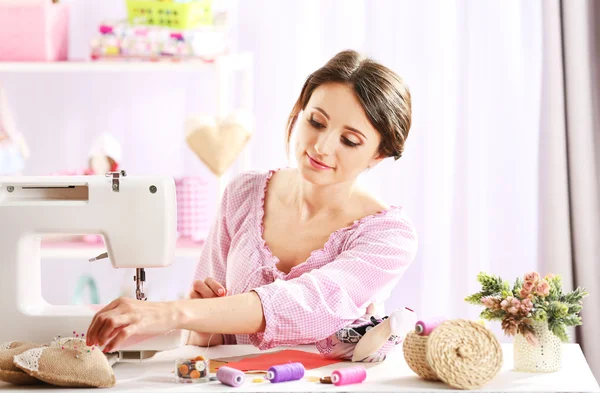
[(335, 141)]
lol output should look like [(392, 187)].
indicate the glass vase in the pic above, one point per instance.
[(545, 357)]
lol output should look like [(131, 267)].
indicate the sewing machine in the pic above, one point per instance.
[(135, 215)]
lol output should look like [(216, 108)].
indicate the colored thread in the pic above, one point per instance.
[(230, 376), (348, 376), (424, 328), (285, 372)]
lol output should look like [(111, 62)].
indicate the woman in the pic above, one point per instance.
[(297, 254)]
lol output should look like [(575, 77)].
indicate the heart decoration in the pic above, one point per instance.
[(218, 143)]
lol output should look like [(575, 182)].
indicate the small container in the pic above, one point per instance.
[(192, 370)]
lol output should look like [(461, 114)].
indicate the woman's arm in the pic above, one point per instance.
[(125, 317), (238, 314)]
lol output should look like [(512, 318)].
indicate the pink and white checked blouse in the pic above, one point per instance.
[(357, 266)]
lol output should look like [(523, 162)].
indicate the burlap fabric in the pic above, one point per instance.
[(462, 353), (68, 367), (8, 371)]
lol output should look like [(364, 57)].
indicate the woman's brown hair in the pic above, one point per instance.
[(383, 95)]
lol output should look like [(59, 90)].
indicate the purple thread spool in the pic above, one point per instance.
[(285, 372), (348, 376), (230, 376), (424, 328)]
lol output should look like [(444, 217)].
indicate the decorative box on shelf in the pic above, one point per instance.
[(120, 40), (34, 30), (180, 14)]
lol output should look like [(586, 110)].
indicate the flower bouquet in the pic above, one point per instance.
[(536, 311)]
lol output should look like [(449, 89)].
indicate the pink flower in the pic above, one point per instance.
[(526, 306), (524, 293), (511, 305), (543, 289), (491, 302), (528, 286), (532, 277)]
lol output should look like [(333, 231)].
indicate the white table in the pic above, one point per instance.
[(392, 375)]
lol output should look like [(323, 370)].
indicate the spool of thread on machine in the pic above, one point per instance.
[(349, 376), (425, 327), (285, 372), (230, 376)]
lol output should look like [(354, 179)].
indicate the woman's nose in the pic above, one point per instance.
[(325, 144)]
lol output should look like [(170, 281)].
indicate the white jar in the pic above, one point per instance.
[(545, 357)]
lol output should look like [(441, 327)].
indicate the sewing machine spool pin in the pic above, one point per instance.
[(116, 177)]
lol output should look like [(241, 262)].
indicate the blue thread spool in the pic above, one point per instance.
[(285, 372)]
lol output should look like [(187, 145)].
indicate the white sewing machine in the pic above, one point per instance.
[(135, 215)]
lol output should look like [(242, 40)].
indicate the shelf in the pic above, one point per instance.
[(235, 61), (82, 250)]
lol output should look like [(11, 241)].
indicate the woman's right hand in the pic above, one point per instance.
[(203, 290), (207, 289)]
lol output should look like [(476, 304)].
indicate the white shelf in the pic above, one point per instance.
[(85, 251), (234, 62)]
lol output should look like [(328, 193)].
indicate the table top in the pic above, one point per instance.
[(392, 375)]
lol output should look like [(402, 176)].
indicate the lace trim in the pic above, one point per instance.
[(30, 359), (332, 237), (6, 345)]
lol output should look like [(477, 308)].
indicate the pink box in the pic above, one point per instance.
[(34, 30), (192, 208)]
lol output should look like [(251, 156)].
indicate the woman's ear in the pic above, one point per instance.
[(375, 160)]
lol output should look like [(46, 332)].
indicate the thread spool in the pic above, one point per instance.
[(349, 376), (230, 376), (285, 372), (425, 327)]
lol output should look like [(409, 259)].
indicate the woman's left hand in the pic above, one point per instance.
[(125, 317)]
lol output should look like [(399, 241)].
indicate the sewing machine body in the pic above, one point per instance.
[(135, 215)]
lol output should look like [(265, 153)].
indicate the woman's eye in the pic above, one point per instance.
[(315, 123), (348, 142)]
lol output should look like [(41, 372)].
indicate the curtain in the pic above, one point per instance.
[(570, 124)]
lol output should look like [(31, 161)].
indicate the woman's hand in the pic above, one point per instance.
[(125, 317), (207, 289), (203, 290)]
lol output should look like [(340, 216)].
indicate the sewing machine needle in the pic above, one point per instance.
[(99, 257)]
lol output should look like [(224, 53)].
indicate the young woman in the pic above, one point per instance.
[(297, 254)]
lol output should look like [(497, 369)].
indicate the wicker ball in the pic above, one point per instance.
[(415, 354), (464, 354)]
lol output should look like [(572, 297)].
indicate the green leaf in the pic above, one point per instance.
[(492, 315), (575, 297), (517, 287), (572, 320), (474, 298), (560, 331)]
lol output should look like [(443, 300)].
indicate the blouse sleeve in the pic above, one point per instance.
[(319, 303), (213, 257)]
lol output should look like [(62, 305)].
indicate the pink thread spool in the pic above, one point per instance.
[(425, 327), (230, 376), (348, 376)]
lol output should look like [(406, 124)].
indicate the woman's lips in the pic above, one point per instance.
[(317, 164)]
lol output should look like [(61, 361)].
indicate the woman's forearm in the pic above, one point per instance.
[(238, 314)]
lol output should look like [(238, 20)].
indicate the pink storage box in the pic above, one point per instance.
[(33, 30), (192, 208)]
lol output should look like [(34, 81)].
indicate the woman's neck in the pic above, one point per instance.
[(312, 200)]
